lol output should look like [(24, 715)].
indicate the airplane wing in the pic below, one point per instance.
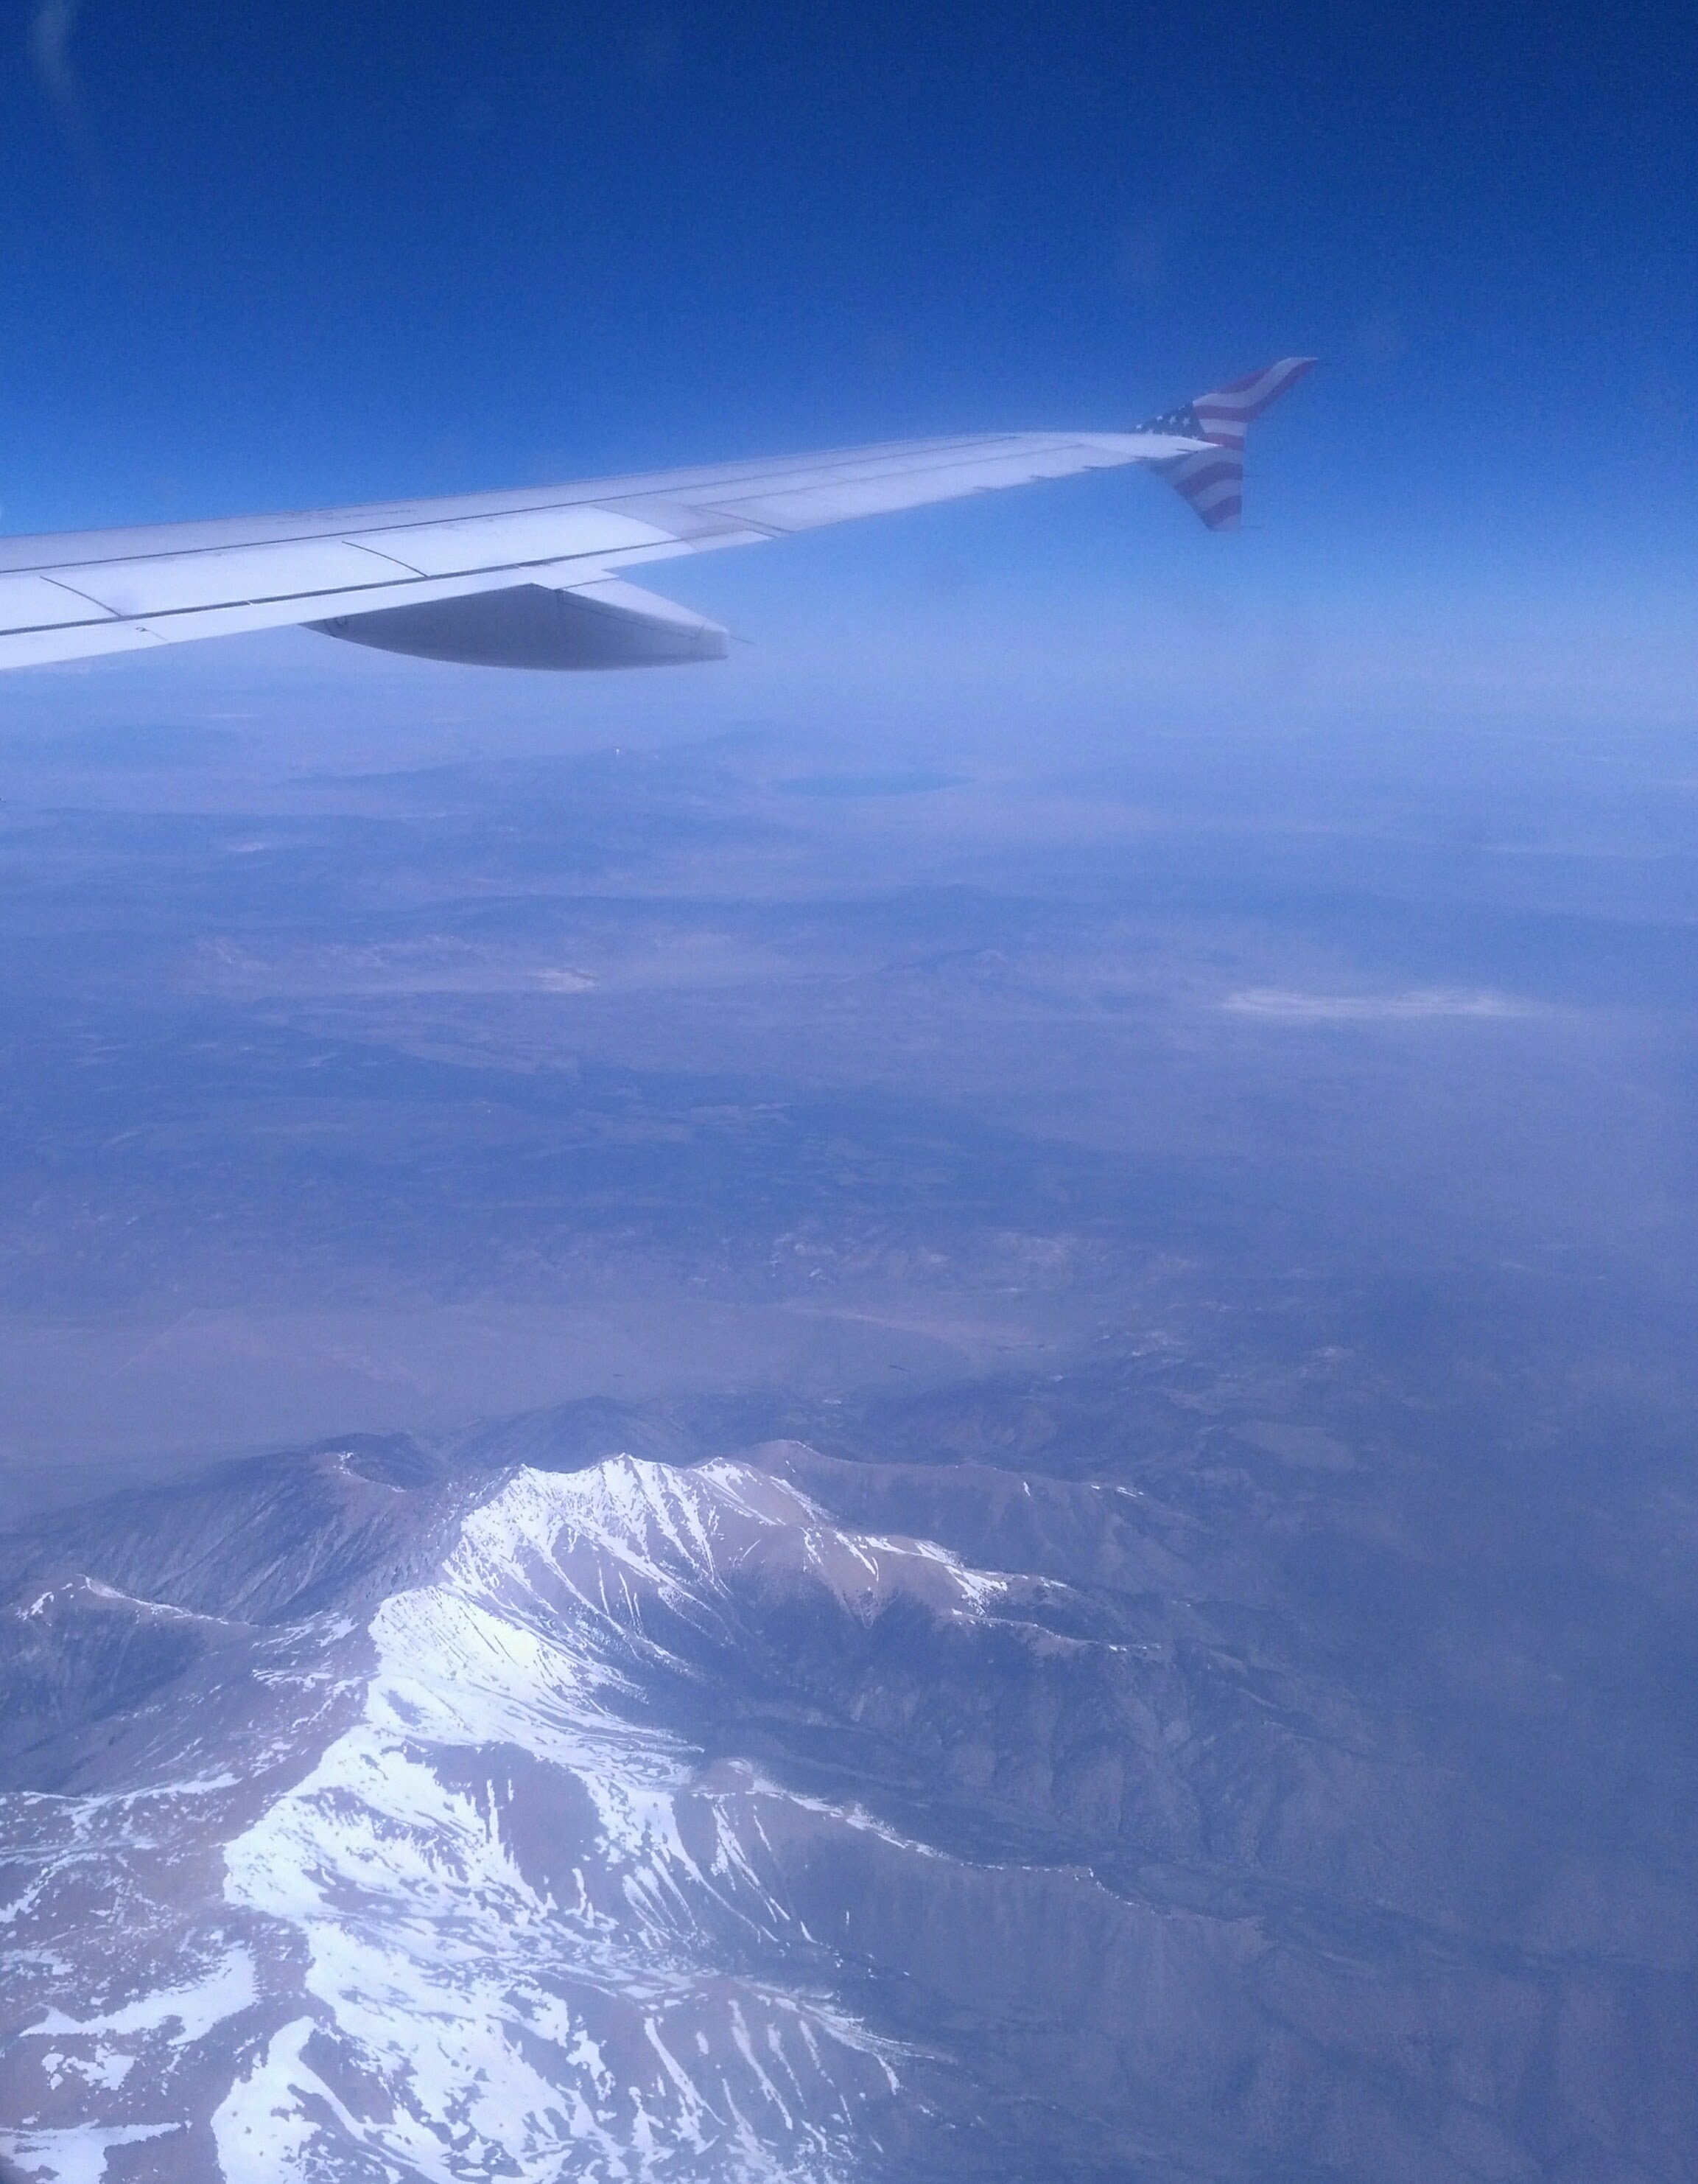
[(522, 579)]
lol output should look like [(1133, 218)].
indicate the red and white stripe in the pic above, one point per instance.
[(1227, 414), (1212, 479), (1213, 483)]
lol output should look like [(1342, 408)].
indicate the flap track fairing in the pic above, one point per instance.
[(605, 624)]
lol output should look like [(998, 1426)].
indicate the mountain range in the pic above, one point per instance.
[(575, 1800)]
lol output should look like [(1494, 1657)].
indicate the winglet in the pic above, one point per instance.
[(1212, 479)]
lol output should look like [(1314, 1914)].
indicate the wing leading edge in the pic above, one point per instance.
[(526, 579)]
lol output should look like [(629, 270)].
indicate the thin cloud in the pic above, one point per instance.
[(50, 37), (50, 49), (1281, 1005)]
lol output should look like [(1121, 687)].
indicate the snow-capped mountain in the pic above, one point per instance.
[(442, 1893), (774, 1816)]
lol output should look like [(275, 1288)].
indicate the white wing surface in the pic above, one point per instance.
[(73, 594)]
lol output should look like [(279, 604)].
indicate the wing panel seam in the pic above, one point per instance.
[(109, 615)]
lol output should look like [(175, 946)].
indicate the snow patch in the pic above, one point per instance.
[(78, 2155), (229, 1987)]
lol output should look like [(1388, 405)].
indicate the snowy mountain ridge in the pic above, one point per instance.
[(508, 2004), (501, 1919), (379, 1815)]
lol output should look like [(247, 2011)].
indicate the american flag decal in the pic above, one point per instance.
[(1212, 479)]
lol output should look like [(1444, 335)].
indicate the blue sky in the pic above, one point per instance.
[(292, 253)]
